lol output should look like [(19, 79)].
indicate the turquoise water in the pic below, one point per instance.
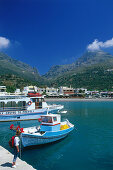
[(88, 147)]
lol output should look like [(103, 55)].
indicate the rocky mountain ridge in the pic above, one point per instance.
[(89, 58)]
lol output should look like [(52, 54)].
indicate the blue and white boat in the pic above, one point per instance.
[(50, 130), (25, 108)]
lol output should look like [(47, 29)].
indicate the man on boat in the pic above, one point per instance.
[(16, 148)]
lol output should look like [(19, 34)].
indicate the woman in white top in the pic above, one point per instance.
[(16, 148)]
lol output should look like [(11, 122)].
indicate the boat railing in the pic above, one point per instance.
[(13, 108), (68, 123)]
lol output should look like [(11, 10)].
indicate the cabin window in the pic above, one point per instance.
[(2, 104), (55, 119), (40, 100), (47, 119), (33, 100), (13, 105), (10, 105), (37, 100), (22, 105), (43, 100)]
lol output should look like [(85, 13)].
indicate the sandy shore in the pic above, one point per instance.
[(77, 99), (6, 161)]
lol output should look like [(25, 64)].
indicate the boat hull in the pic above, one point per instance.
[(20, 117), (48, 137), (25, 115)]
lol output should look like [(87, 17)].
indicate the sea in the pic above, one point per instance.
[(88, 147)]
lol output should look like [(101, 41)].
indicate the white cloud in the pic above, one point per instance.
[(97, 45), (4, 42)]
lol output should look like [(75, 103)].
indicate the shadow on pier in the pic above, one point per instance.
[(7, 164)]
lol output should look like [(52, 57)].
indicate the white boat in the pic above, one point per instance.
[(50, 130), (25, 108)]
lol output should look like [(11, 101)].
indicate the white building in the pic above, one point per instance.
[(29, 89), (3, 90), (17, 91), (66, 90), (82, 90), (51, 91), (41, 90)]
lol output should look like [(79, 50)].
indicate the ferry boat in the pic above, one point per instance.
[(25, 108), (50, 130)]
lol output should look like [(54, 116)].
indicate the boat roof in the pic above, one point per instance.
[(16, 100), (7, 99)]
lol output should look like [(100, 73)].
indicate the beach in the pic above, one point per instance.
[(77, 99)]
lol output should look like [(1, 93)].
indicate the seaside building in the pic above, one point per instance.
[(41, 90), (92, 94), (51, 91), (3, 90), (29, 89), (66, 91), (106, 94), (17, 91), (81, 90)]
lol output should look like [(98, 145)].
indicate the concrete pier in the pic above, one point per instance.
[(6, 161)]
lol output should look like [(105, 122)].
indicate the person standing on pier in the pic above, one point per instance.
[(16, 148)]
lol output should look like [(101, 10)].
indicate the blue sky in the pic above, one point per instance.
[(44, 33)]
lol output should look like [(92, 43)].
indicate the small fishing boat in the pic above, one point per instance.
[(51, 129)]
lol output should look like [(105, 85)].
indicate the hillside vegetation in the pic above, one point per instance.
[(16, 74), (86, 60), (9, 65), (93, 70), (12, 82), (96, 78)]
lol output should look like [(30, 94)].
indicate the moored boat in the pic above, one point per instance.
[(25, 108), (50, 130)]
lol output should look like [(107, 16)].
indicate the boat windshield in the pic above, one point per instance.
[(47, 119)]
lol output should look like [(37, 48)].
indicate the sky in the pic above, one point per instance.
[(44, 33)]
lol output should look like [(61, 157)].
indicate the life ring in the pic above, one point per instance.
[(29, 103)]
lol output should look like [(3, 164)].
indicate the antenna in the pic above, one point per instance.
[(47, 110)]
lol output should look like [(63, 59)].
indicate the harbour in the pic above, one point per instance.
[(89, 146), (6, 158), (56, 85)]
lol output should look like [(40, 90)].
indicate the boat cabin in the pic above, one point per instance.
[(22, 103), (50, 122), (38, 101)]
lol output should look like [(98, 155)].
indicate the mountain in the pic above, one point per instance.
[(16, 74), (93, 70), (93, 58), (90, 58), (9, 65)]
